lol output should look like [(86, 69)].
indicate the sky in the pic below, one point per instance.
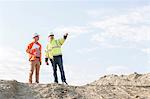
[(105, 37)]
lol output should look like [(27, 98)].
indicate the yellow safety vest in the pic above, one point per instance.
[(53, 48)]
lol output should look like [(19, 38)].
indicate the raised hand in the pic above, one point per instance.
[(66, 34)]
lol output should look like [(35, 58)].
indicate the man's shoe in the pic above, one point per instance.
[(37, 82), (55, 82), (64, 83)]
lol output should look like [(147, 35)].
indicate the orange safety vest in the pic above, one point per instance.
[(32, 51)]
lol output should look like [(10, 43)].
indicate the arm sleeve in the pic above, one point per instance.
[(28, 49), (46, 52), (61, 41), (41, 54)]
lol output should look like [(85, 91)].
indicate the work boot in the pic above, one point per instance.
[(55, 82), (64, 83), (37, 82)]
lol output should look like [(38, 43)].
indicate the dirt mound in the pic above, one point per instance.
[(134, 86), (126, 80)]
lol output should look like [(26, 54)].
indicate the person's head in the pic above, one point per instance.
[(51, 36), (35, 37)]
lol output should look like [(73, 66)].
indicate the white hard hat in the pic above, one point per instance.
[(51, 34), (35, 34)]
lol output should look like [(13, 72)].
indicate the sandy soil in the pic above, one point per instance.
[(133, 86)]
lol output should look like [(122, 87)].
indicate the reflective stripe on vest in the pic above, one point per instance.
[(56, 47)]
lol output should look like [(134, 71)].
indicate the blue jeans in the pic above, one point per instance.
[(58, 61)]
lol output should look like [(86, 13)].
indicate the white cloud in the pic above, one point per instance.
[(96, 13), (102, 41), (133, 26), (108, 45), (87, 50), (13, 64), (102, 13), (8, 53), (93, 12), (118, 70), (146, 50), (97, 37), (73, 31), (72, 76)]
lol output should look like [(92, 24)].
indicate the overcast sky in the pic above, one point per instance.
[(105, 37)]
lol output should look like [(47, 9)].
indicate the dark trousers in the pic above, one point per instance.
[(57, 60)]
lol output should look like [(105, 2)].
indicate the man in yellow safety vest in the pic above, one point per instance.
[(53, 52)]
